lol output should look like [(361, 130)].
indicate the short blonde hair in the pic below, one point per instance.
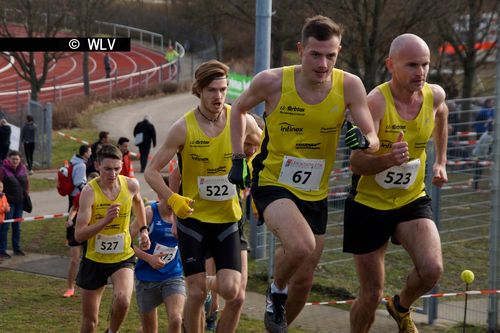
[(206, 73)]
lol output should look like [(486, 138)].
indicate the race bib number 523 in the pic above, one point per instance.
[(399, 176)]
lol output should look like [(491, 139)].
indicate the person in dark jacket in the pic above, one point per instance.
[(144, 134), (5, 132), (14, 175), (103, 139), (28, 135)]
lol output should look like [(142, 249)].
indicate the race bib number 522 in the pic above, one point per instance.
[(216, 188)]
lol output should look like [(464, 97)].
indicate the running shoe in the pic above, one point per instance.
[(208, 302), (275, 316), (210, 321), (19, 253), (4, 255), (69, 293), (404, 321)]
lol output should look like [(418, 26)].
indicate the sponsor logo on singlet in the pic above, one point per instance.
[(385, 144), (290, 128), (199, 143), (196, 157), (221, 169), (292, 110), (301, 145)]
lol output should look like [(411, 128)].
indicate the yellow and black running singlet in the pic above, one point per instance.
[(399, 185), (300, 140), (206, 163), (113, 243)]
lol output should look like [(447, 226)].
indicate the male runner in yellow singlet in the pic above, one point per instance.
[(103, 222), (388, 197), (304, 111), (209, 208)]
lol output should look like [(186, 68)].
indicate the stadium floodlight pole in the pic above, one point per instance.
[(495, 203), (262, 61)]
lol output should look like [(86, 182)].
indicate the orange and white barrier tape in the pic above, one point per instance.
[(465, 162), (73, 138), (466, 133), (136, 155), (35, 218), (461, 293)]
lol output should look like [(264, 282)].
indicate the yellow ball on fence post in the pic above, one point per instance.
[(467, 276)]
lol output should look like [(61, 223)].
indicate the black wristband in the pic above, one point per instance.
[(144, 227), (239, 156)]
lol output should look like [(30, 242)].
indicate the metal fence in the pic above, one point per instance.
[(462, 213)]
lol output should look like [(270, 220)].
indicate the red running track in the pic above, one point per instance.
[(14, 92)]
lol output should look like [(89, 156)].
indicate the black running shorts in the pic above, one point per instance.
[(367, 229), (93, 275), (315, 212), (197, 239)]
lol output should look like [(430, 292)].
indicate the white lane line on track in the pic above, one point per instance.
[(79, 84), (7, 67)]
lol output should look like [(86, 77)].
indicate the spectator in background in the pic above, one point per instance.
[(14, 176), (79, 173), (107, 65), (144, 134), (5, 132), (127, 168), (4, 204), (485, 117), (28, 135), (171, 54), (75, 248), (481, 153), (103, 139)]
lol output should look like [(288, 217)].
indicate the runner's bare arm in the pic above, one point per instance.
[(363, 163), (356, 102), (262, 89), (134, 228), (173, 142), (440, 136), (253, 131)]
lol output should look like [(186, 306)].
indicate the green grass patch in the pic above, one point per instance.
[(42, 184), (32, 303)]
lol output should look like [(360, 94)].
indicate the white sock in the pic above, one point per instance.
[(276, 290)]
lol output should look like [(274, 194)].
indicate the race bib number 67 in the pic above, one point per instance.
[(399, 176), (302, 173)]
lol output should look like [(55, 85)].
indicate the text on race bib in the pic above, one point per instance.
[(216, 188), (110, 244), (168, 253), (302, 173), (399, 176)]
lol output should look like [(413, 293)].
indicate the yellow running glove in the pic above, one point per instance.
[(180, 205)]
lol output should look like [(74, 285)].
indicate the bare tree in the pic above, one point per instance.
[(84, 14), (27, 18), (465, 28), (370, 25)]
